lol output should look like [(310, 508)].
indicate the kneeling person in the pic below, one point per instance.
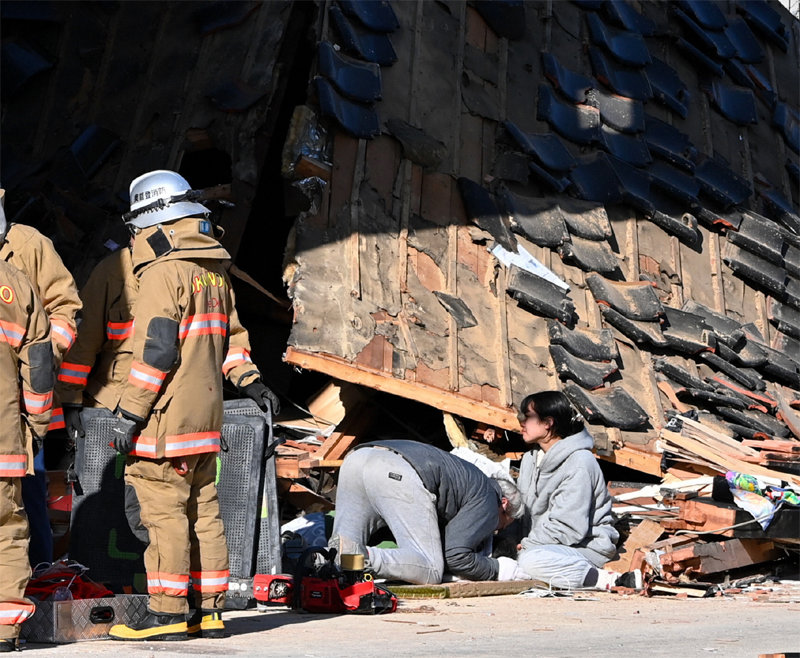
[(415, 489)]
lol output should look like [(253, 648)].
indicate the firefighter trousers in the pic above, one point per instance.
[(180, 509), (15, 571)]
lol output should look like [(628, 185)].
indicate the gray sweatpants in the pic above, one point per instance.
[(562, 567), (379, 488)]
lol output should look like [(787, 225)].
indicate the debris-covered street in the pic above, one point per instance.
[(594, 624)]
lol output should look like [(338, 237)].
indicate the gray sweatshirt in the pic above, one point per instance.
[(566, 499)]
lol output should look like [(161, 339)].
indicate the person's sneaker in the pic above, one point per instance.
[(9, 645), (154, 626), (345, 545), (607, 579), (630, 579), (206, 623)]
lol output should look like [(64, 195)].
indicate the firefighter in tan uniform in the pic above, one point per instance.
[(95, 371), (35, 256), (170, 412), (26, 403)]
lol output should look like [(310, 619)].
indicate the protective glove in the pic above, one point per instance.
[(72, 419), (262, 396), (123, 430), (510, 570)]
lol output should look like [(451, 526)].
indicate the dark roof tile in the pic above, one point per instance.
[(588, 374), (635, 300), (357, 119), (577, 123), (628, 47), (539, 220), (623, 114), (573, 86), (362, 42), (620, 12), (643, 333), (735, 103), (748, 48), (481, 208), (668, 88), (547, 148), (628, 82), (708, 14), (613, 407), (590, 255), (765, 20), (377, 15), (359, 80), (713, 42), (589, 344), (539, 295), (686, 332)]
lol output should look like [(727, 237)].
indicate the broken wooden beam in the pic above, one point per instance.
[(452, 402), (706, 558)]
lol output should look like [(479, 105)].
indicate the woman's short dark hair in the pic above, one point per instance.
[(554, 404)]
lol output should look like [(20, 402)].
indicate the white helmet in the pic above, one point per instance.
[(161, 196)]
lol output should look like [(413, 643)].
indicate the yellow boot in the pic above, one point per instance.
[(206, 623), (154, 626)]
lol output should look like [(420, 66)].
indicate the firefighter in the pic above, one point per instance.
[(26, 363), (34, 254), (95, 370), (169, 416)]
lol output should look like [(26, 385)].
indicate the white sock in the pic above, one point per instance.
[(606, 579)]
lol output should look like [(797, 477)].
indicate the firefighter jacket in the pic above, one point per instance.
[(100, 360), (180, 340), (34, 254), (26, 364)]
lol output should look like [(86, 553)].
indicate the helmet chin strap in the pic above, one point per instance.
[(158, 204)]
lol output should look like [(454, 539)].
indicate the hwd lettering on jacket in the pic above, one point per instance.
[(200, 281)]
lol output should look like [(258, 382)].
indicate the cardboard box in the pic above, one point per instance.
[(61, 622)]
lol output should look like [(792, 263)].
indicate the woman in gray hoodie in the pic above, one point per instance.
[(568, 521)]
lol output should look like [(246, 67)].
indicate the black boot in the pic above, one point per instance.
[(7, 646), (154, 626)]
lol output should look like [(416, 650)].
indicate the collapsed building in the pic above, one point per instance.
[(465, 202)]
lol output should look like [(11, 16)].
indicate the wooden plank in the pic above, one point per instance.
[(443, 400), (301, 497), (638, 460), (773, 444), (463, 589), (504, 359), (703, 558), (726, 462), (714, 439), (355, 425), (642, 535)]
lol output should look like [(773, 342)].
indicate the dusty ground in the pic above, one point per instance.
[(588, 625)]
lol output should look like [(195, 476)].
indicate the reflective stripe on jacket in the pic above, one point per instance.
[(100, 359), (34, 255), (26, 356), (180, 340)]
